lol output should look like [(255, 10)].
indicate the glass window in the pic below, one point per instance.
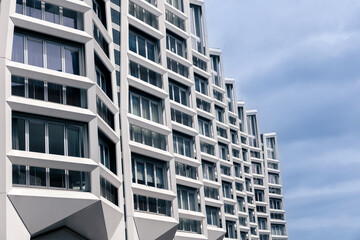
[(37, 137), (70, 18), (18, 86), (72, 61), (147, 137), (53, 53), (37, 176), (56, 138), (18, 49), (148, 172), (36, 89), (108, 191), (75, 97), (57, 178), (146, 108), (52, 13), (19, 174), (35, 53), (74, 141), (19, 6), (33, 8), (55, 93)]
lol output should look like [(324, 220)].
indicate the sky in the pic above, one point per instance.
[(298, 63)]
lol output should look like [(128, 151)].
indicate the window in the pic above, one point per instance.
[(50, 13), (241, 204), (178, 4), (227, 190), (230, 229), (230, 97), (251, 215), (270, 146), (264, 237), (275, 203), (242, 221), (261, 209), (220, 112), (145, 74), (239, 186), (144, 45), (259, 195), (229, 209), (218, 95), (177, 67), (50, 178), (207, 148), (277, 216), (188, 198), (147, 137), (203, 105), (277, 229), (262, 223), (179, 93), (143, 15), (241, 118), (256, 168), (243, 236), (237, 170), (273, 165), (104, 112), (201, 84), (274, 190), (235, 153), (189, 225), (223, 152), (252, 130), (116, 36), (211, 192), (273, 178), (183, 144), (232, 120), (186, 170), (176, 44), (107, 153), (205, 127), (250, 200), (199, 63), (108, 191), (216, 70), (46, 54), (53, 136), (225, 170), (175, 20), (221, 132), (46, 91), (181, 118), (197, 29), (115, 18), (258, 181), (149, 172), (244, 155), (253, 231), (100, 39), (209, 171), (247, 169), (213, 216), (248, 185), (99, 9), (145, 106), (152, 205), (234, 137)]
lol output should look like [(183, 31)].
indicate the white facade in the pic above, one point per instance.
[(118, 123)]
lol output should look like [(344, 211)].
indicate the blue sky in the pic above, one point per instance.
[(298, 63)]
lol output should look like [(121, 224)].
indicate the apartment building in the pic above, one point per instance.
[(117, 122)]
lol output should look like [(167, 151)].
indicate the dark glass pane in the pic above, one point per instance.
[(141, 44), (55, 93), (19, 174), (35, 53), (53, 54), (18, 86), (37, 176), (18, 134), (56, 139), (52, 13), (19, 6), (70, 18), (151, 51), (73, 96), (134, 70), (73, 138), (72, 61), (152, 205), (33, 8), (18, 49), (132, 42), (57, 178), (37, 137), (75, 180), (36, 89), (142, 203)]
